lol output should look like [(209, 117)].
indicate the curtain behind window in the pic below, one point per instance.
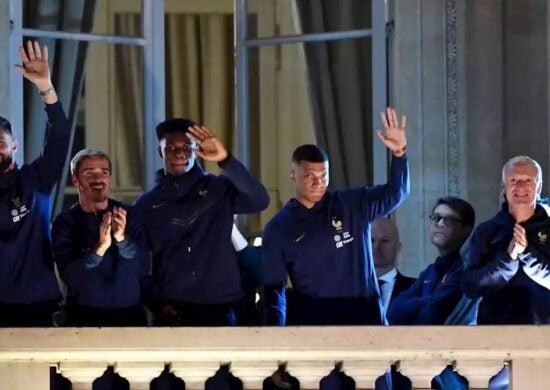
[(340, 87), (199, 84)]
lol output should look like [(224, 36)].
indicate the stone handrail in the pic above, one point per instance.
[(194, 354)]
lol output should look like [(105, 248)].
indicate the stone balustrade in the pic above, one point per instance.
[(195, 354)]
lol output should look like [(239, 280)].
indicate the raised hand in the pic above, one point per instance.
[(518, 244), (210, 147), (35, 66), (104, 234), (118, 224), (393, 136)]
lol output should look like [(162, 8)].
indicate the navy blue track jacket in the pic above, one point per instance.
[(188, 221), (512, 291), (432, 297), (26, 263), (326, 250), (109, 281)]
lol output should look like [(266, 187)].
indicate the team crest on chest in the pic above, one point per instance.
[(543, 237), (336, 223)]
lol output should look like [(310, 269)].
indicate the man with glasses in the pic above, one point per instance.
[(188, 221), (433, 296), (509, 257)]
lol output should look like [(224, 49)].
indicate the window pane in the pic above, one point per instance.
[(98, 17), (291, 17)]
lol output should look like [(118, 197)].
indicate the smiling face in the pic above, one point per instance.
[(310, 181), (93, 179), (521, 184), (177, 152)]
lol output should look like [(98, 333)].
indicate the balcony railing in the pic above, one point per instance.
[(195, 354)]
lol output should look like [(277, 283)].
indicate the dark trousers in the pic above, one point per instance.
[(36, 314), (304, 310), (179, 313), (81, 316)]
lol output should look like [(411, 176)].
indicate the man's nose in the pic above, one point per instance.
[(181, 152), (317, 180)]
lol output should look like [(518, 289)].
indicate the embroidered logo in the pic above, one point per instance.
[(343, 239), (299, 238), (336, 223), (542, 237), (203, 193), (157, 205), (16, 201)]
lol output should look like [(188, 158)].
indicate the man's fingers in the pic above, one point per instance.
[(30, 50), (201, 132), (23, 54), (45, 53), (519, 228), (394, 120), (201, 154), (193, 137), (403, 121), (207, 132), (384, 120), (196, 131), (120, 221), (37, 51), (119, 211)]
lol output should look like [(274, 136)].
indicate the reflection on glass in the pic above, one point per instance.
[(291, 17), (97, 17)]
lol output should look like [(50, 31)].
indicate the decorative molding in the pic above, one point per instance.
[(453, 134)]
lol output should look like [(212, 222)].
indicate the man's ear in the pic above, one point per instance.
[(292, 175), (74, 180), (159, 149), (15, 146)]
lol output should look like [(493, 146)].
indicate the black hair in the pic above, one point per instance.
[(309, 153), (5, 125), (460, 206), (174, 125)]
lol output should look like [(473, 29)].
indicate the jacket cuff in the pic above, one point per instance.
[(222, 164)]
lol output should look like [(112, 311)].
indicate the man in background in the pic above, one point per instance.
[(385, 248)]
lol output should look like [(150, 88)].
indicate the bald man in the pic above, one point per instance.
[(385, 247)]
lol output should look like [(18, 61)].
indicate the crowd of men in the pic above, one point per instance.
[(328, 257)]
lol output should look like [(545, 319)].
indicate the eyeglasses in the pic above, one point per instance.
[(447, 221)]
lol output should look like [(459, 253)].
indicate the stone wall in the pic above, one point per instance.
[(473, 78)]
